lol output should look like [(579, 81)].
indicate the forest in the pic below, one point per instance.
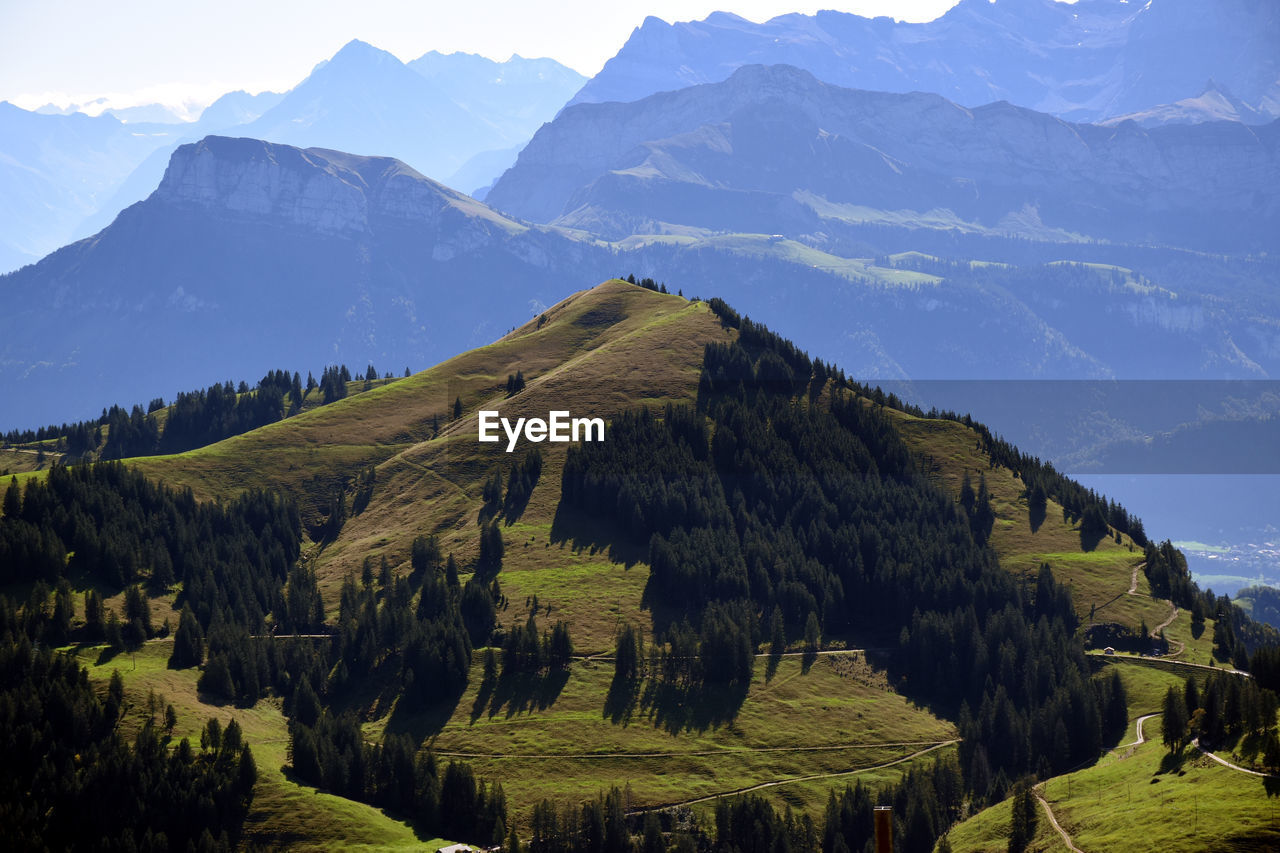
[(194, 418), (238, 564), (64, 755)]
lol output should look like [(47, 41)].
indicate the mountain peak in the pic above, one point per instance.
[(357, 51)]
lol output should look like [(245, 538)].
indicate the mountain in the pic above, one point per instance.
[(251, 254), (1083, 61), (1215, 103), (236, 108), (56, 169), (409, 118), (515, 96), (817, 535), (67, 176), (773, 149), (255, 256)]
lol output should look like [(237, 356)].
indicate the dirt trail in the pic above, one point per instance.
[(811, 778), (1133, 584), (1053, 820), (728, 750), (1236, 767), (1142, 739), (1133, 590)]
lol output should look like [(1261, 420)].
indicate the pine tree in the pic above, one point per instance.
[(777, 635), (13, 499), (1175, 719), (188, 642), (1022, 826), (457, 408)]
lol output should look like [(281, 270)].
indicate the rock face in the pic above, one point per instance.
[(1083, 61), (307, 192), (319, 190), (769, 137)]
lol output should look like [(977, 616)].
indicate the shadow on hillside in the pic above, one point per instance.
[(423, 722), (1172, 762), (519, 693), (1091, 539), (1036, 516), (512, 509), (676, 708), (621, 702), (582, 531)]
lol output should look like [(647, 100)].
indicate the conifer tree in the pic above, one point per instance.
[(1175, 719), (188, 642)]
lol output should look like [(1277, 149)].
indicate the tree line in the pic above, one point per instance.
[(194, 419), (1227, 707)]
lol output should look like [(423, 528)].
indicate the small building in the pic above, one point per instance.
[(1108, 651), (457, 848)]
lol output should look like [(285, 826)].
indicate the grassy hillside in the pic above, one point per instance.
[(1137, 797), (795, 733), (1100, 579), (284, 813), (836, 719)]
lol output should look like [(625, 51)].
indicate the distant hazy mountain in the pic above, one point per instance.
[(515, 96), (66, 176), (1215, 103), (57, 169), (1084, 61), (366, 100), (236, 108), (251, 254), (774, 150)]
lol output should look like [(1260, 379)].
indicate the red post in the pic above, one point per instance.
[(884, 829)]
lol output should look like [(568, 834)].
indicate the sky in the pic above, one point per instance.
[(191, 51)]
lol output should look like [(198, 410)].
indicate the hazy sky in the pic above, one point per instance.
[(136, 51)]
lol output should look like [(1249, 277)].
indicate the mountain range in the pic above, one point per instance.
[(765, 586), (67, 176), (775, 149), (251, 256), (1082, 61)]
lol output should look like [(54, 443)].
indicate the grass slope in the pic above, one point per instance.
[(284, 813), (1138, 797), (567, 737), (1099, 579)]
